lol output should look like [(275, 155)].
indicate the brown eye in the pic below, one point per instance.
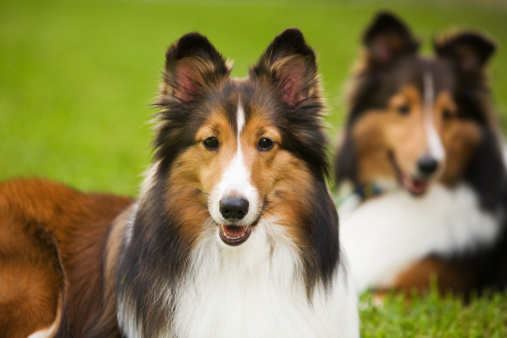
[(265, 144), (404, 110), (211, 143), (447, 115)]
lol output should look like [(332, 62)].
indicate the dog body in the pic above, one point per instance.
[(234, 232), (52, 241), (424, 158), (252, 291)]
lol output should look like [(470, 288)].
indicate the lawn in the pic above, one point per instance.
[(434, 316), (77, 79)]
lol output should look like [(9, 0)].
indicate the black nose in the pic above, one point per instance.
[(427, 165), (233, 208)]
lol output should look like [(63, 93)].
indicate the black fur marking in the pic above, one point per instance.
[(154, 262), (387, 39), (486, 173), (321, 257), (273, 68), (195, 45), (469, 51)]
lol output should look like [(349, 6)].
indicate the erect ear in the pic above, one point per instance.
[(192, 66), (469, 51), (290, 65), (387, 39)]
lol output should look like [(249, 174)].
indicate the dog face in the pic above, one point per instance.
[(415, 120), (231, 152)]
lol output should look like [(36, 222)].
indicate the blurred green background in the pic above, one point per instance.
[(77, 77)]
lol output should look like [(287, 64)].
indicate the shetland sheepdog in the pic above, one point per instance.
[(421, 157), (234, 234)]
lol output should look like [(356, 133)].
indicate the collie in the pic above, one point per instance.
[(234, 233), (422, 154)]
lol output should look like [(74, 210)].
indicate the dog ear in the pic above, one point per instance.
[(469, 51), (388, 38), (290, 65), (192, 66)]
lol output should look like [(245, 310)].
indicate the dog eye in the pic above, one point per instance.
[(211, 143), (404, 110), (447, 115), (265, 144)]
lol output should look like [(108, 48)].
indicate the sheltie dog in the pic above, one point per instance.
[(234, 234), (423, 156)]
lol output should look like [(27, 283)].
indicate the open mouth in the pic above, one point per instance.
[(416, 187), (234, 235)]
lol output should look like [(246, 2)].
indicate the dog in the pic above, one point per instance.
[(234, 234), (421, 158)]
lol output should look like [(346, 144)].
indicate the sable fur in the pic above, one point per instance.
[(296, 115)]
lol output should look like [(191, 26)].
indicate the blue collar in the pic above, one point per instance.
[(368, 191)]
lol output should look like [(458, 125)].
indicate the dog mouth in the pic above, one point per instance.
[(415, 186), (235, 235)]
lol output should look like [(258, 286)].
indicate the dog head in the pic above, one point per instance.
[(241, 162), (416, 120)]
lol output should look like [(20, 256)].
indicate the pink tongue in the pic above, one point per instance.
[(418, 186), (414, 185), (234, 231)]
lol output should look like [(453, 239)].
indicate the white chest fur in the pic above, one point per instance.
[(386, 234), (257, 290)]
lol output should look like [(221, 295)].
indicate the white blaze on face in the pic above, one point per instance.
[(235, 182), (436, 149)]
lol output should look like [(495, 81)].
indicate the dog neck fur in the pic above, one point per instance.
[(444, 222)]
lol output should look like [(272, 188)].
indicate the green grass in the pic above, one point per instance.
[(77, 78), (434, 316)]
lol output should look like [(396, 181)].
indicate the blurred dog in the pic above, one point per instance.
[(234, 234), (423, 156)]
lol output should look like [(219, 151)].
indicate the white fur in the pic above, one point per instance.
[(235, 181), (253, 290), (436, 149), (149, 178), (257, 290), (388, 233), (53, 329), (46, 333), (240, 118), (129, 227)]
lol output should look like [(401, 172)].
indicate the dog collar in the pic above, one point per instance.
[(368, 191)]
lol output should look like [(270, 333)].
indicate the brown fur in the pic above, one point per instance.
[(36, 216), (451, 276), (381, 132)]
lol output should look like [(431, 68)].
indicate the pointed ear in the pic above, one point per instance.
[(192, 66), (387, 39), (469, 51), (290, 65)]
